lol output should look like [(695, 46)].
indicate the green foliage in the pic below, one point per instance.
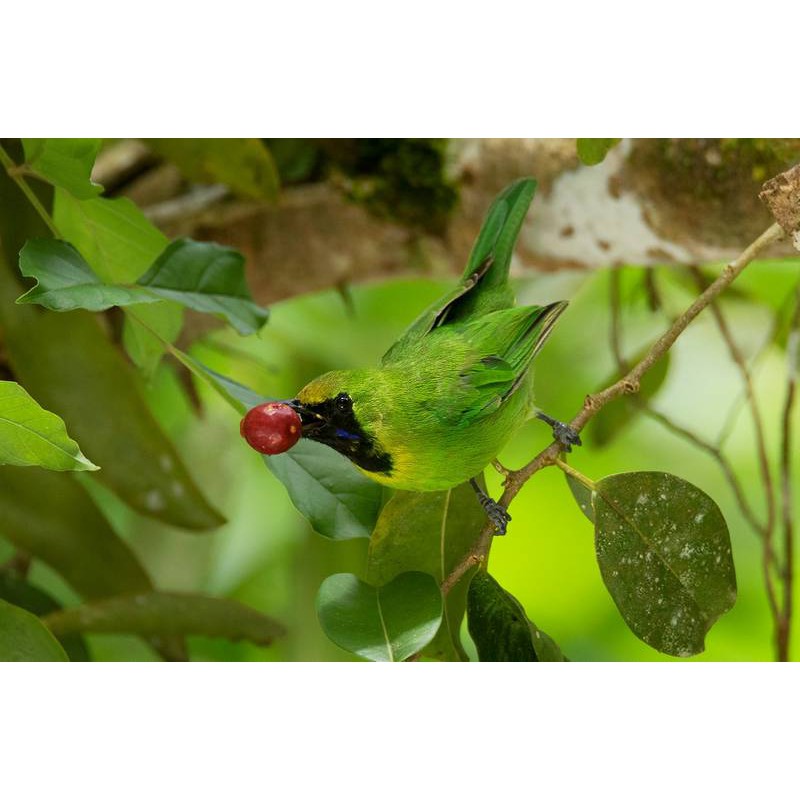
[(429, 532), (206, 277), (338, 501), (24, 638), (244, 165), (594, 151), (119, 244), (499, 627), (167, 613), (387, 623), (665, 556), (19, 592), (198, 275), (31, 436), (66, 163), (51, 517), (70, 367)]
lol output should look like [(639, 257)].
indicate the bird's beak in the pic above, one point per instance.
[(309, 419)]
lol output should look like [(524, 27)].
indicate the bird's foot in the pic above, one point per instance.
[(496, 513), (564, 434)]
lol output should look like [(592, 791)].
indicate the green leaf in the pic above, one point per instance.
[(594, 151), (338, 501), (168, 614), (120, 243), (244, 165), (66, 163), (206, 277), (198, 275), (64, 281), (665, 556), (19, 592), (51, 516), (388, 623), (582, 495), (616, 417), (33, 437), (429, 532), (24, 638), (499, 627), (67, 363), (114, 236)]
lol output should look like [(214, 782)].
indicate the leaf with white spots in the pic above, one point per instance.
[(665, 556)]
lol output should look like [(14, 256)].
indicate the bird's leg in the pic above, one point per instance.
[(565, 435), (498, 516)]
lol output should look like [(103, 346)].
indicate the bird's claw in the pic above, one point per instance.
[(498, 515), (564, 434)]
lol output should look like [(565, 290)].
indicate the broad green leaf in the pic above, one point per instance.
[(338, 501), (429, 532), (66, 163), (66, 362), (24, 638), (19, 592), (67, 358), (388, 623), (500, 628), (665, 556), (33, 437), (594, 151), (582, 495), (243, 165), (206, 277), (168, 614), (51, 516), (64, 281), (119, 243), (618, 415)]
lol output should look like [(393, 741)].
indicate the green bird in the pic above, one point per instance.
[(455, 387)]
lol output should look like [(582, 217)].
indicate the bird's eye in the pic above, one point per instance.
[(343, 402)]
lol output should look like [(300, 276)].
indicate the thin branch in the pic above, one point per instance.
[(16, 175), (769, 558), (787, 505), (629, 384)]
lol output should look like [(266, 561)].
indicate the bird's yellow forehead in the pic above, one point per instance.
[(320, 389)]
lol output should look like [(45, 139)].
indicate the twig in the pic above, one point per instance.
[(629, 384), (787, 507), (16, 175), (769, 557)]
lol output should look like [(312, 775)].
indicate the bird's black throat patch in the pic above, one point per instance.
[(333, 422)]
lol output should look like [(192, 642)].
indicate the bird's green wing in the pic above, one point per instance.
[(484, 285), (502, 346)]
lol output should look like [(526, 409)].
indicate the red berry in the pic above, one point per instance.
[(271, 428)]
